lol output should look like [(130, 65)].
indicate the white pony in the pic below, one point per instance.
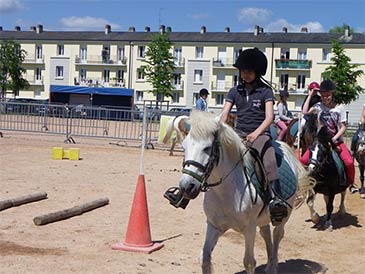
[(178, 124), (216, 160)]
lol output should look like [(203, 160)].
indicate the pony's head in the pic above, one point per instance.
[(320, 151), (203, 147)]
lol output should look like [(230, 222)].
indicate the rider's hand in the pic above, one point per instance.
[(252, 137)]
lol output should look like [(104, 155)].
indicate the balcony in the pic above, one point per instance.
[(179, 62), (33, 59), (179, 86), (101, 60), (35, 81), (293, 64), (221, 86), (223, 62)]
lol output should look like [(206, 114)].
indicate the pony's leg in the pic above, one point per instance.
[(265, 232), (310, 203), (211, 237), (278, 235), (173, 144), (249, 260), (329, 207), (342, 209), (362, 188)]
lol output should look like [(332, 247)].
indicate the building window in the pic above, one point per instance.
[(106, 75), (326, 55), (284, 81), (236, 80), (141, 51), (39, 54), (198, 76), (60, 50), (301, 82), (199, 52), (59, 72), (83, 53), (178, 56), (176, 97), (82, 75), (284, 53), (219, 99), (120, 56), (105, 54), (302, 54), (195, 97), (38, 74), (140, 74), (236, 53), (139, 95)]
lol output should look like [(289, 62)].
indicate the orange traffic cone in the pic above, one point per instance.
[(138, 238)]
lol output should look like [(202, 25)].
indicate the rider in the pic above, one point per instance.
[(254, 101), (333, 117), (282, 118), (314, 86), (355, 138)]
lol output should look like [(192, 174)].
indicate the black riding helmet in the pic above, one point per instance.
[(327, 85), (252, 59), (284, 93)]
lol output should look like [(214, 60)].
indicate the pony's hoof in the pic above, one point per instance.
[(315, 218)]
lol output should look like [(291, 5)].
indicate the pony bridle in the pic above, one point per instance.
[(205, 169)]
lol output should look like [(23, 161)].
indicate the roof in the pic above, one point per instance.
[(185, 37)]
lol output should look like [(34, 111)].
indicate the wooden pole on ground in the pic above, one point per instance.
[(70, 212), (22, 200)]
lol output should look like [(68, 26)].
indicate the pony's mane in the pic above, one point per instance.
[(205, 124)]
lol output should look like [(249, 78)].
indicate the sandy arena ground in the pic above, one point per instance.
[(82, 244)]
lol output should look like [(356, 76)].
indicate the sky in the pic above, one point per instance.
[(183, 15)]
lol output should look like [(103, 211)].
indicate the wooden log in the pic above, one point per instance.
[(22, 200), (69, 212)]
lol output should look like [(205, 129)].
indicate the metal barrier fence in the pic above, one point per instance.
[(79, 121)]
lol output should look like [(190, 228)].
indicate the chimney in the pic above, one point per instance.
[(168, 29), (347, 31), (33, 28), (17, 28), (256, 30), (285, 29), (304, 29), (261, 30), (1, 28), (147, 29), (39, 28), (162, 29), (132, 29), (203, 29), (227, 29), (107, 29)]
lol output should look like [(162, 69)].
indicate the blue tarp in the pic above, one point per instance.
[(92, 90)]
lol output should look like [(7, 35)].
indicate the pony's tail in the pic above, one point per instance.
[(169, 130)]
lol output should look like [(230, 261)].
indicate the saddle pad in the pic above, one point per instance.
[(339, 165), (294, 129), (287, 177)]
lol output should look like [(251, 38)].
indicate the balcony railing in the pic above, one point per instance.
[(33, 81), (98, 59), (179, 62), (179, 86), (33, 59), (223, 62), (221, 86), (293, 64)]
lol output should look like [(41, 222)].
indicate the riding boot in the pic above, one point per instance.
[(277, 206), (174, 195)]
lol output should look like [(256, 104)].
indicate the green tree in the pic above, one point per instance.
[(341, 29), (11, 71), (344, 74), (160, 67)]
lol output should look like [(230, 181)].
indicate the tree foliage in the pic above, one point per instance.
[(11, 70), (160, 67), (340, 29), (344, 74)]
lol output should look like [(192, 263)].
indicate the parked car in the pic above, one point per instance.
[(153, 113), (176, 111), (27, 105)]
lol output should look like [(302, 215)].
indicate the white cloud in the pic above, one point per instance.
[(254, 16), (277, 26), (86, 23), (198, 16), (10, 5)]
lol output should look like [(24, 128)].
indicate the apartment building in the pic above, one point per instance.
[(203, 59)]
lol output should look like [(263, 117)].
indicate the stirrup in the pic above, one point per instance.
[(173, 194), (278, 211), (353, 189)]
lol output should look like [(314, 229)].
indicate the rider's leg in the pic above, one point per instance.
[(283, 129), (277, 206), (354, 140), (305, 158), (348, 164)]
